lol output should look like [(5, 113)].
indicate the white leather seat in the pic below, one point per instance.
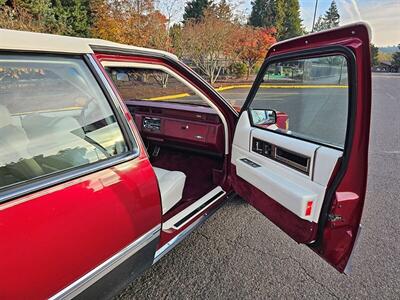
[(13, 139), (171, 187)]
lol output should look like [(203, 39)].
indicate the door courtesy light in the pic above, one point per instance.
[(309, 208)]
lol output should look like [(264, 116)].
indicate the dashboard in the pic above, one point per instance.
[(179, 125)]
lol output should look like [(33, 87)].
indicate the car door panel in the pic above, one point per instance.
[(57, 235), (312, 190), (75, 225), (292, 189)]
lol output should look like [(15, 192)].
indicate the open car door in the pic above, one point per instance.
[(300, 147)]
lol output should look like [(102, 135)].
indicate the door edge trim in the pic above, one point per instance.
[(107, 266), (182, 235)]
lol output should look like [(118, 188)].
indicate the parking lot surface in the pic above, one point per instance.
[(239, 254)]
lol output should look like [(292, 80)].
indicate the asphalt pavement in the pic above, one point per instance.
[(239, 254)]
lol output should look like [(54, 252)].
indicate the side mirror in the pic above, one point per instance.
[(122, 77), (263, 117)]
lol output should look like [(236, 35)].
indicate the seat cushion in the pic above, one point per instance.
[(171, 185)]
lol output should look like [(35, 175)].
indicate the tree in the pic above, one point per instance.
[(222, 10), (68, 17), (206, 43), (263, 13), (331, 19), (283, 15), (175, 35), (19, 18), (396, 59), (291, 25), (170, 9), (75, 15), (384, 57), (374, 55), (319, 25), (133, 22), (251, 45), (39, 15), (194, 9)]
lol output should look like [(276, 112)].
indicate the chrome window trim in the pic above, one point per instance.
[(107, 266), (110, 95), (37, 184)]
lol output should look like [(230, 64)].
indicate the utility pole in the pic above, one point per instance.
[(315, 14)]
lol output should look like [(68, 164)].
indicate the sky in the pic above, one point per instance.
[(382, 15)]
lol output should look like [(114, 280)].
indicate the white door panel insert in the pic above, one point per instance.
[(289, 187), (293, 196)]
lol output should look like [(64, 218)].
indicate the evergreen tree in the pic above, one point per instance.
[(283, 15), (194, 9), (76, 16), (396, 59), (332, 16), (319, 25), (263, 13), (331, 19), (291, 25), (67, 17), (42, 12), (374, 54)]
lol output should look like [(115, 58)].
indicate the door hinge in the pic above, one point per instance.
[(334, 218)]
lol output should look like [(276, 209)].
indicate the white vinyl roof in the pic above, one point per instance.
[(42, 42)]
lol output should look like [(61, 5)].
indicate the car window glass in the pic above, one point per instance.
[(53, 117), (152, 85), (309, 96)]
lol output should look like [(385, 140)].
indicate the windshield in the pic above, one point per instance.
[(152, 85)]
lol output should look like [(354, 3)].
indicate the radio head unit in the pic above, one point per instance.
[(152, 124)]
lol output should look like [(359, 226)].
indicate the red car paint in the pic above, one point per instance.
[(202, 86), (282, 120), (48, 236), (181, 124), (339, 235), (300, 230), (183, 71)]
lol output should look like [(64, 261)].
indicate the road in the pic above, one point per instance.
[(309, 109), (238, 254)]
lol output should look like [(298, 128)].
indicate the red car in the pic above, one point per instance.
[(112, 154)]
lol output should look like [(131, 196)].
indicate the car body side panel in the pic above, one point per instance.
[(51, 238)]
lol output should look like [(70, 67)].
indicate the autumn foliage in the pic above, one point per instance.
[(250, 45), (212, 40), (212, 43), (130, 22), (205, 43)]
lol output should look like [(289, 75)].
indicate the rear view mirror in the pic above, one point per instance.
[(263, 116)]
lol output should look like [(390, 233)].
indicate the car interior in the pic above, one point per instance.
[(183, 134), (42, 136)]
